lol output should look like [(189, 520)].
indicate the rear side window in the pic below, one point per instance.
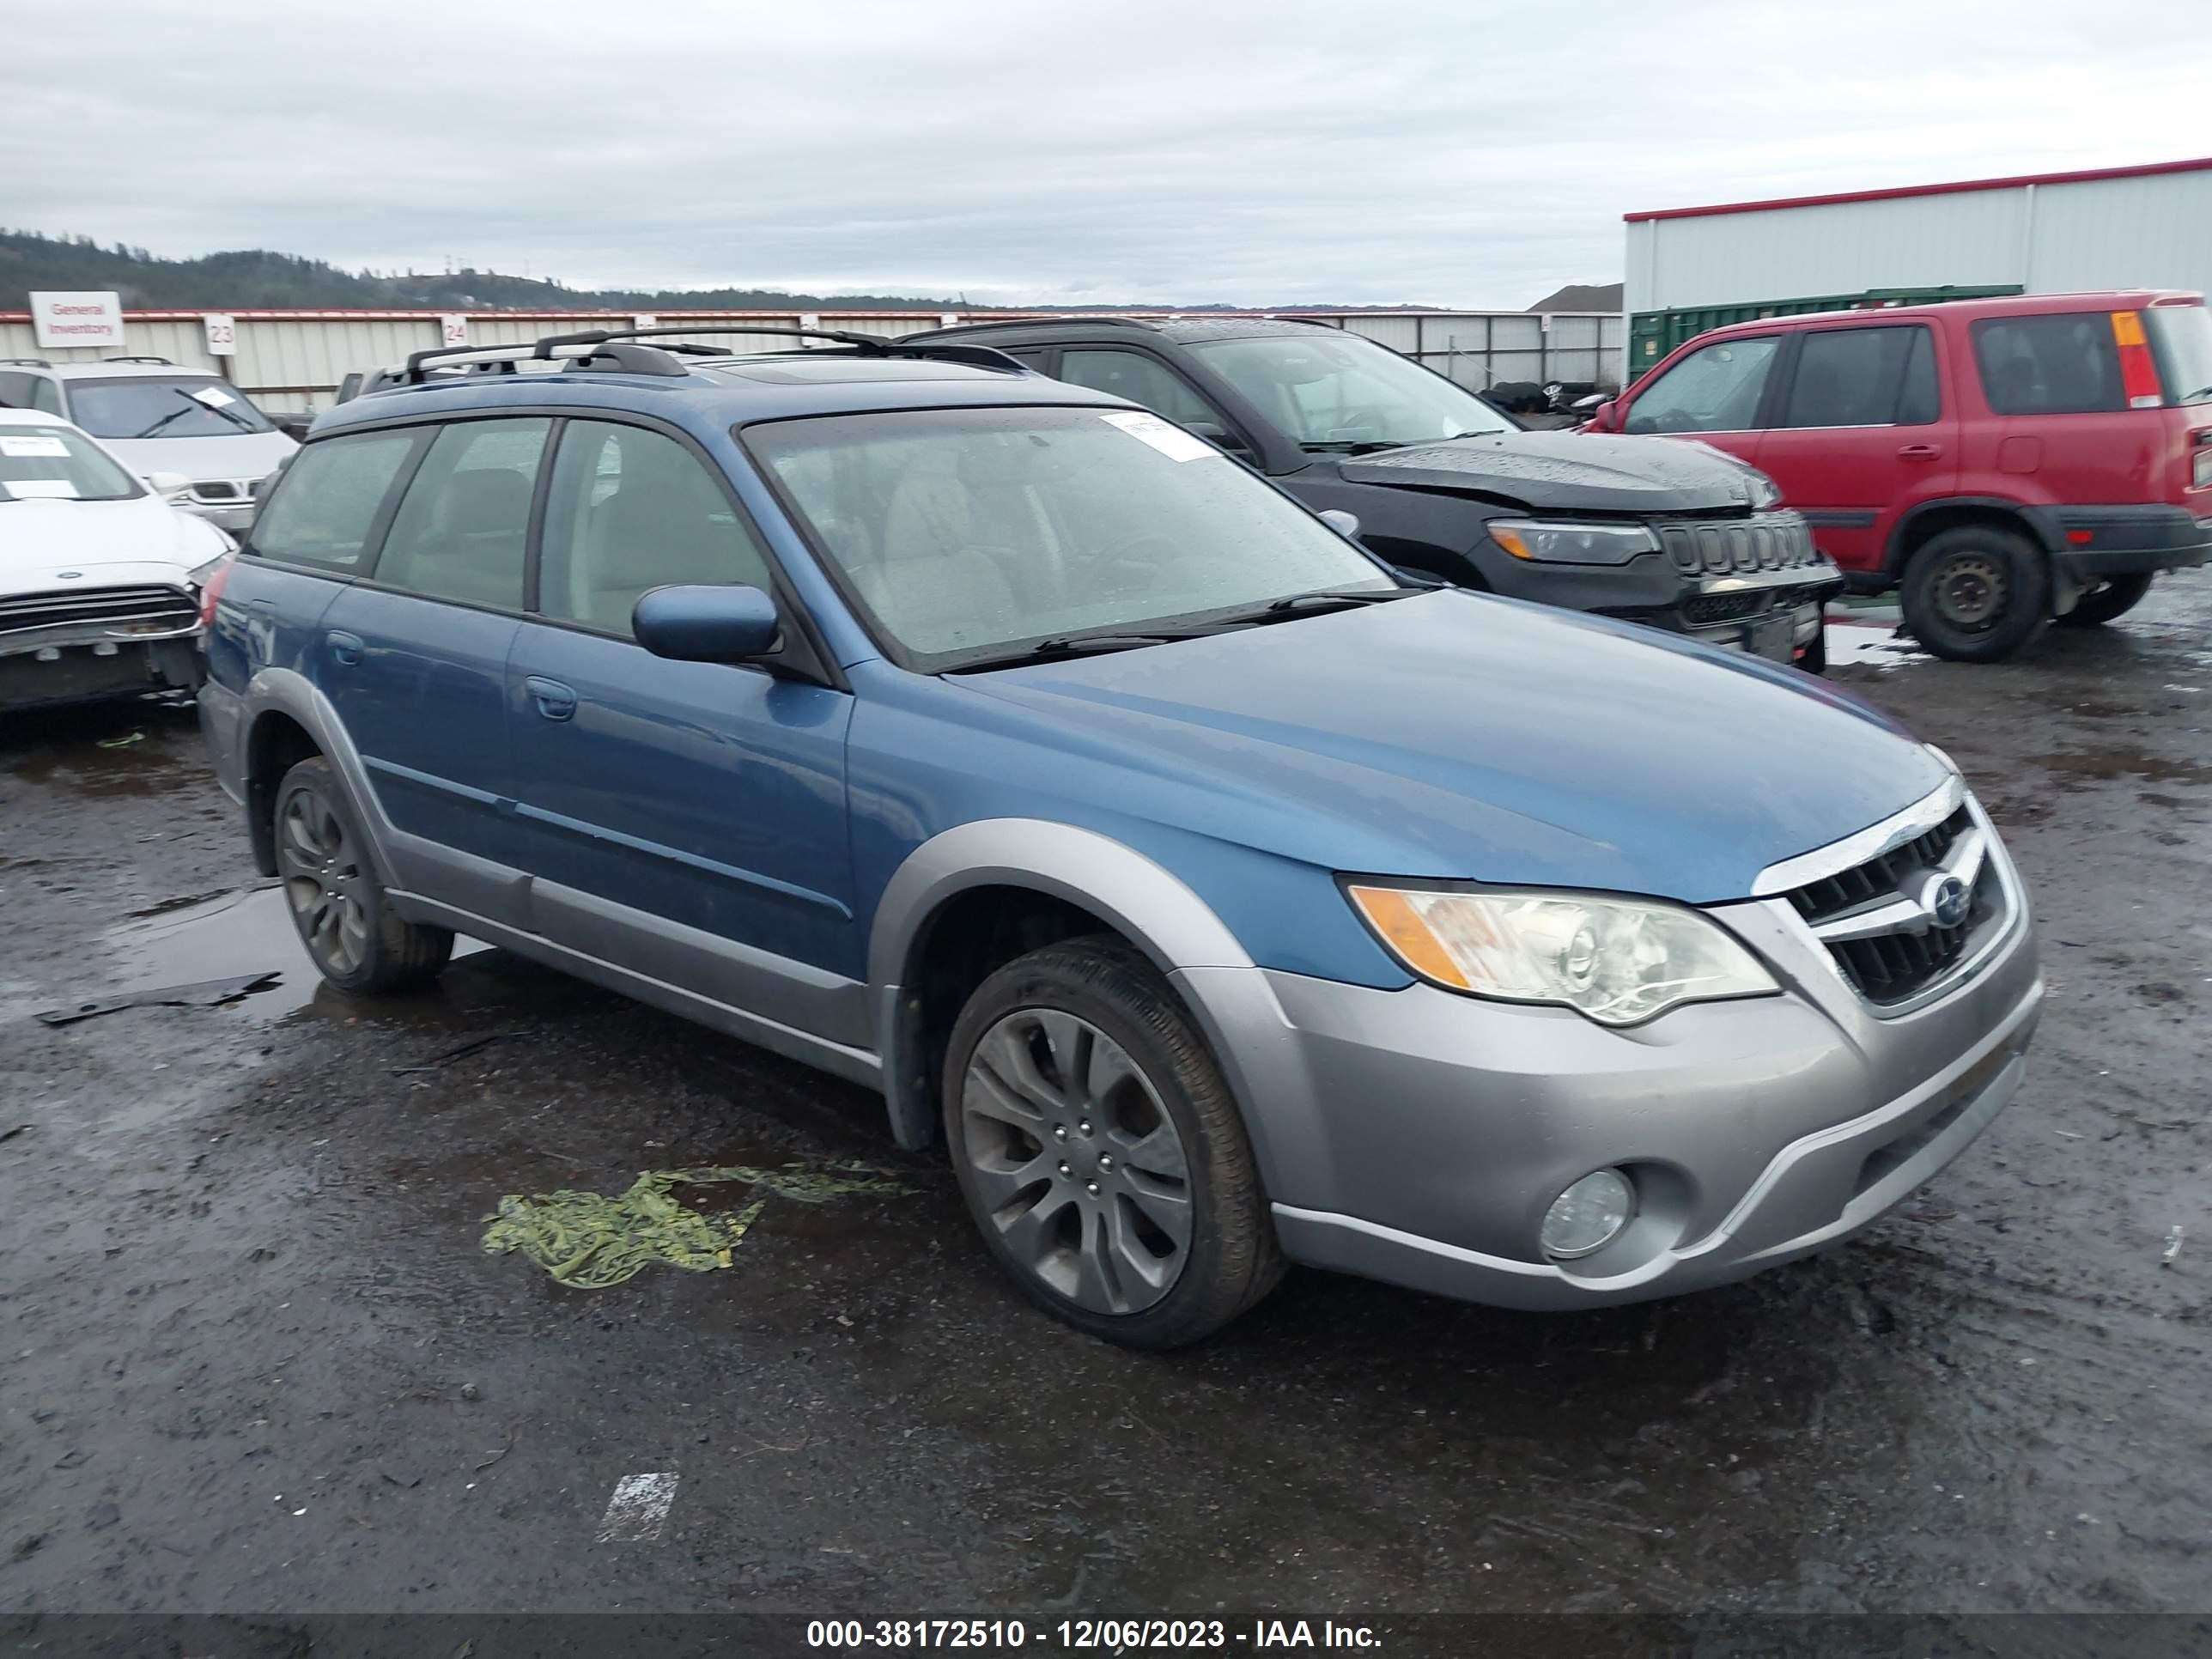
[(1140, 379), (629, 511), (1862, 377), (21, 390), (463, 531), (1715, 388), (325, 509), (2064, 364)]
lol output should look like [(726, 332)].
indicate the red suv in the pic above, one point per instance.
[(2000, 462)]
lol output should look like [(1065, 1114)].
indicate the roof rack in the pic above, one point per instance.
[(164, 362), (610, 347), (867, 345), (28, 362), (1153, 323)]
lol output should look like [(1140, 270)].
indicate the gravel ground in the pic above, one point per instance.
[(253, 1360)]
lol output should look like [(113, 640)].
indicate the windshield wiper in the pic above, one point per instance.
[(191, 404), (1081, 645), (1313, 604)]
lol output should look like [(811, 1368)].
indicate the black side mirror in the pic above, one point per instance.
[(1220, 436), (707, 625)]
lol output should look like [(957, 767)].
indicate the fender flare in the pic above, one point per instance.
[(2042, 524), (287, 691), (1148, 904)]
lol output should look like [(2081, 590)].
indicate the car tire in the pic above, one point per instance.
[(1976, 593), (1089, 1126), (2106, 601), (352, 934)]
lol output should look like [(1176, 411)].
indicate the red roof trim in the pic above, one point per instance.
[(2196, 166), (829, 317)]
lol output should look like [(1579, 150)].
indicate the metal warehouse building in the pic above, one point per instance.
[(1692, 269), (290, 361)]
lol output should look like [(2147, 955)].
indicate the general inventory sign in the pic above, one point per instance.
[(77, 319)]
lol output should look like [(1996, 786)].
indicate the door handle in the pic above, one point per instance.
[(346, 647), (555, 701), (1919, 452)]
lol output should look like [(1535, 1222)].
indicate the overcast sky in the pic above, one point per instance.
[(1458, 153)]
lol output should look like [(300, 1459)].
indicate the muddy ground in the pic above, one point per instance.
[(252, 1356)]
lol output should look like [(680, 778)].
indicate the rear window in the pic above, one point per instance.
[(2066, 364), (2181, 338), (326, 506), (157, 406)]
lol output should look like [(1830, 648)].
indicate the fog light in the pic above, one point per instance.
[(1588, 1215)]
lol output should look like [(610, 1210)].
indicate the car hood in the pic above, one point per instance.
[(1566, 471), (1460, 736), (243, 456), (106, 543)]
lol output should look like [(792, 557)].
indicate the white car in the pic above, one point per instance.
[(154, 414), (101, 577)]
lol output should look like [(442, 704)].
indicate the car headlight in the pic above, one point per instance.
[(1765, 492), (1619, 961), (1572, 544), (225, 546)]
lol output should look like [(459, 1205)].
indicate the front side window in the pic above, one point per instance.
[(1140, 379), (1333, 390), (1860, 377), (52, 463), (631, 510), (2064, 364), (159, 407), (463, 529), (1715, 388), (324, 508), (965, 532)]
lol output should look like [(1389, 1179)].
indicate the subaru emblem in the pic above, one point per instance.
[(1947, 900)]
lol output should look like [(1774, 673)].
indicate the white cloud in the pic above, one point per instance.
[(1300, 150)]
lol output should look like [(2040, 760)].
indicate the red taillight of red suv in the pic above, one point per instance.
[(211, 589), (2138, 368)]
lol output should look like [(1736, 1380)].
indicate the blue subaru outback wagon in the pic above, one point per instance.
[(1215, 898)]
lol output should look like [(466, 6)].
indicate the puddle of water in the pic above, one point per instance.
[(247, 932), (1873, 645)]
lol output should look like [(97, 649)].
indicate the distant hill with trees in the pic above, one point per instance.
[(256, 278)]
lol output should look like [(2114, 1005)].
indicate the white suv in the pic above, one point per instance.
[(155, 416)]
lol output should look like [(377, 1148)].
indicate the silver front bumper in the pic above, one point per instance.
[(1418, 1136)]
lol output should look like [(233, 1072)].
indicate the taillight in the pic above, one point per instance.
[(2138, 369), (211, 589)]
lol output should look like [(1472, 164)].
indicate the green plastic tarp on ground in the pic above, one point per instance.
[(588, 1241)]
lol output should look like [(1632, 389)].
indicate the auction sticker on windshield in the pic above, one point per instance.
[(214, 396), (29, 490), (1170, 439), (25, 449)]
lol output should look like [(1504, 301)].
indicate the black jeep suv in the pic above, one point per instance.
[(1676, 535)]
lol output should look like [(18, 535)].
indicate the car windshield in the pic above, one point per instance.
[(156, 406), (52, 463), (1333, 390), (2181, 336), (965, 533)]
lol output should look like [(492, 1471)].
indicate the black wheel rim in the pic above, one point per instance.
[(1970, 592), (323, 882), (1077, 1166)]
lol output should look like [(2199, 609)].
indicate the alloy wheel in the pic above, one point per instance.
[(323, 882), (1076, 1165)]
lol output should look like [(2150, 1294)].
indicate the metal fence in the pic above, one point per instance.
[(294, 360)]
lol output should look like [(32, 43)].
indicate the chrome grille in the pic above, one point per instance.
[(97, 613), (1877, 923), (218, 489)]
